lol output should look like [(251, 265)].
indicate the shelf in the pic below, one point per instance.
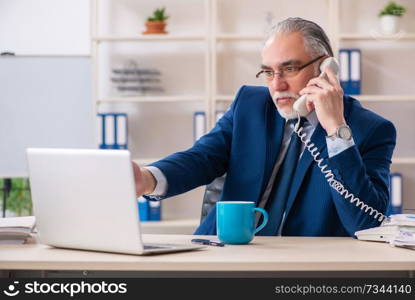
[(403, 160), (378, 36), (363, 98), (384, 98), (344, 36), (152, 99), (145, 161), (153, 37), (240, 37), (225, 97)]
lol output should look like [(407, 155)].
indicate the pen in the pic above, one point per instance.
[(207, 242)]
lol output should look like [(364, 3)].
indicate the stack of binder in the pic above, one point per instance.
[(149, 210), (113, 127), (350, 71)]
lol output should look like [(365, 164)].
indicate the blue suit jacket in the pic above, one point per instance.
[(245, 144)]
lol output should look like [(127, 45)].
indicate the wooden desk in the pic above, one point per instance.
[(264, 254)]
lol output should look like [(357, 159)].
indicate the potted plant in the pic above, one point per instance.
[(390, 16), (157, 22)]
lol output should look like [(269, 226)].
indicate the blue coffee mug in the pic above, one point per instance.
[(235, 221)]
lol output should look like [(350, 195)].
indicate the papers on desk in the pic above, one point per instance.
[(404, 239), (16, 230), (398, 230)]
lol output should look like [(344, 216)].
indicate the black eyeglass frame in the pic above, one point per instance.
[(299, 68)]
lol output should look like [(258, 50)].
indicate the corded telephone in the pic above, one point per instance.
[(301, 109), (300, 105)]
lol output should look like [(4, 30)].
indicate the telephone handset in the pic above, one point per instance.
[(300, 104), (301, 109)]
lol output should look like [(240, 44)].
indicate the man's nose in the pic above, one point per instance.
[(278, 83)]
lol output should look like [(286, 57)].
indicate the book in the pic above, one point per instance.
[(16, 230)]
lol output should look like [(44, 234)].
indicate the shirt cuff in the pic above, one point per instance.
[(338, 145), (161, 181)]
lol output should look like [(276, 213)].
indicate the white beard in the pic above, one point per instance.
[(286, 114)]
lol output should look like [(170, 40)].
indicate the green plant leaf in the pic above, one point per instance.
[(158, 15), (393, 9), (19, 200)]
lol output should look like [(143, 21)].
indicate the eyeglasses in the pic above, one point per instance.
[(286, 71)]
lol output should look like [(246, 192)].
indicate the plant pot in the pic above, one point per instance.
[(155, 27), (389, 24)]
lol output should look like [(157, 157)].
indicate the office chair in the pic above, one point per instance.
[(212, 194)]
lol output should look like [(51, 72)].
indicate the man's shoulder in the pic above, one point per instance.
[(251, 93)]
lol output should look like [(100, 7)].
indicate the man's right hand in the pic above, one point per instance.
[(145, 183)]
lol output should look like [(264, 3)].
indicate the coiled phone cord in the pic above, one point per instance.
[(328, 174)]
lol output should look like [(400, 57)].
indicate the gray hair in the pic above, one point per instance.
[(315, 39)]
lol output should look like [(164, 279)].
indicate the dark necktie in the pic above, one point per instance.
[(279, 195)]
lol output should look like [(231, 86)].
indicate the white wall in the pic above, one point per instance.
[(45, 27)]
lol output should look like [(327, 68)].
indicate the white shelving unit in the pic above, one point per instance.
[(337, 37), (363, 98), (185, 98), (212, 98), (150, 38), (403, 161), (98, 40), (403, 37), (238, 37)]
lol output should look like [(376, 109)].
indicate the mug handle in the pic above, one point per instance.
[(264, 221)]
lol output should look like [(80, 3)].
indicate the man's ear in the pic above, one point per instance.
[(316, 70)]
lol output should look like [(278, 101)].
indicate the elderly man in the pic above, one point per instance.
[(254, 143)]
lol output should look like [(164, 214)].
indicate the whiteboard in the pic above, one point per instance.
[(44, 102)]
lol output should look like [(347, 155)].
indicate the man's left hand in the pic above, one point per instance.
[(326, 96)]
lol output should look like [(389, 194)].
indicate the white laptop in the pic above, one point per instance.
[(85, 199)]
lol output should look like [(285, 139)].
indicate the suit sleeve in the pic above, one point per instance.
[(366, 175), (202, 163)]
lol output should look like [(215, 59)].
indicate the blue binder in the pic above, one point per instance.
[(355, 71), (344, 74), (395, 194), (143, 209), (350, 71), (114, 131), (199, 125), (154, 210)]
